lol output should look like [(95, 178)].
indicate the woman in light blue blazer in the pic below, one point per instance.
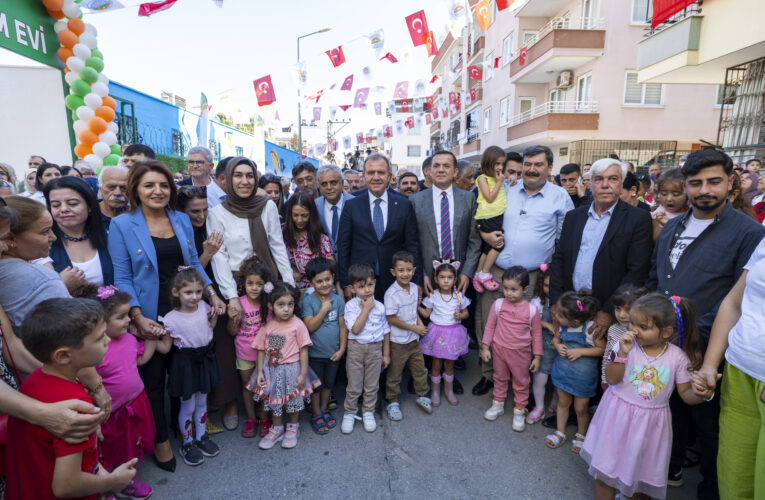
[(147, 245)]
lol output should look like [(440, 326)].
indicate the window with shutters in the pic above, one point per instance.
[(641, 94)]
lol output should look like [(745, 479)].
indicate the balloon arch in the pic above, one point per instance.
[(93, 111)]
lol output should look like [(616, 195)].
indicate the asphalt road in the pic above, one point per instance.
[(452, 454)]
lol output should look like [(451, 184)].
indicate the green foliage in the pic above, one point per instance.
[(174, 163)]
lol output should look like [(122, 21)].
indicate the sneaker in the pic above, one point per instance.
[(349, 421), (291, 436), (369, 421), (207, 446), (519, 419), (425, 403), (497, 409), (191, 454), (394, 412), (675, 478), (249, 429), (275, 434), (136, 490)]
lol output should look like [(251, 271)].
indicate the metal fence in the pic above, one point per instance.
[(741, 130), (638, 152)]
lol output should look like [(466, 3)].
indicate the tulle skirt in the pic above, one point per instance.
[(445, 342), (280, 392)]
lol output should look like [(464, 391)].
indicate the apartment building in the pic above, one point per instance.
[(567, 78)]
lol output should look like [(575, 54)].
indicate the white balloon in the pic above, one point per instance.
[(103, 79), (71, 77), (89, 40), (101, 150), (85, 113), (93, 101), (71, 9), (75, 63), (109, 138), (113, 127), (99, 89), (94, 160), (60, 25), (81, 50), (90, 30), (79, 126)]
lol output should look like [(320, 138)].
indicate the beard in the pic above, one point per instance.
[(713, 203)]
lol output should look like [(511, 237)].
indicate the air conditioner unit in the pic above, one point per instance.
[(564, 80)]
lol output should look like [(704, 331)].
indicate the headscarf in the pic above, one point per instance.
[(250, 208), (752, 191), (29, 188)]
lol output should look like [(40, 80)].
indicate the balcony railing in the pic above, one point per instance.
[(554, 107), (565, 23), (692, 9)]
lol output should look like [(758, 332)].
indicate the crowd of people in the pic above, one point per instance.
[(593, 294)]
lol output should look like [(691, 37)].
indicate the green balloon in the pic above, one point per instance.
[(73, 101), (112, 159), (96, 53), (89, 74), (116, 150), (81, 88), (96, 63)]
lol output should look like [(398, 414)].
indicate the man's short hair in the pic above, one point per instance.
[(539, 149), (349, 171), (630, 181), (402, 256), (407, 174), (56, 323), (360, 272), (201, 150), (329, 168), (378, 156), (704, 158), (604, 164), (570, 168), (120, 168), (38, 156), (514, 156), (140, 149), (301, 167), (447, 153), (426, 163), (220, 169)]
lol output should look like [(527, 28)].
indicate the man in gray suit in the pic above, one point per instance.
[(330, 203)]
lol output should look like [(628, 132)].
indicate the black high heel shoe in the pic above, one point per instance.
[(168, 466)]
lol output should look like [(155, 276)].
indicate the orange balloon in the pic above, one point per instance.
[(76, 26), (55, 14), (109, 101), (106, 113), (83, 150), (64, 53), (87, 137), (67, 38), (53, 5), (97, 125)]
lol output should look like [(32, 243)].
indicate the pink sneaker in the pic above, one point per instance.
[(291, 436), (477, 284), (135, 490), (275, 434), (535, 415)]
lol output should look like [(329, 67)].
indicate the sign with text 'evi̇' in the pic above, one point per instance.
[(27, 29)]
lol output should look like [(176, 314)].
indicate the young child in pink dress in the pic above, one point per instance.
[(630, 438), (129, 432)]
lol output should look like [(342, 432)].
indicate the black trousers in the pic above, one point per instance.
[(154, 374), (703, 420)]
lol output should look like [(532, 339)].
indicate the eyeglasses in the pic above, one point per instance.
[(197, 162)]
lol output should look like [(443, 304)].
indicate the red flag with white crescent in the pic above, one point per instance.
[(522, 55), (431, 44), (429, 102), (483, 14), (452, 98), (389, 57), (435, 77), (361, 97), (264, 90), (428, 119), (418, 27), (503, 4), (402, 90), (405, 105), (347, 83), (473, 94), (336, 56), (475, 72), (149, 8), (435, 113)]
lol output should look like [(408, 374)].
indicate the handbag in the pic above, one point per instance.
[(4, 417)]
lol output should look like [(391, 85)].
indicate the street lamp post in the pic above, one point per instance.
[(300, 118)]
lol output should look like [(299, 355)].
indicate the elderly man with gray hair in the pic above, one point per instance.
[(603, 245), (332, 200), (201, 167), (112, 183)]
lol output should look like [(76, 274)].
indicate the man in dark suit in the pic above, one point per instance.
[(375, 225), (602, 245), (331, 202)]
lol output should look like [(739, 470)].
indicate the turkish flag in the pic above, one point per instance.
[(336, 56), (664, 9), (345, 107), (429, 102), (503, 4), (428, 119), (452, 98), (389, 57), (333, 145), (483, 14), (473, 94), (522, 55), (361, 97), (430, 43), (435, 114), (410, 122), (317, 114), (405, 105), (387, 131), (264, 90), (378, 108), (402, 90), (496, 62), (149, 8), (418, 27), (347, 83), (435, 77), (475, 73), (359, 137)]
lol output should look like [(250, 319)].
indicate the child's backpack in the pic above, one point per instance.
[(532, 309)]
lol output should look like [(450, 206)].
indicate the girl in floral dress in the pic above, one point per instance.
[(303, 235)]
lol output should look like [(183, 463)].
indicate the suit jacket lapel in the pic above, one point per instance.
[(617, 218), (324, 222), (392, 211), (459, 202), (430, 217), (142, 232)]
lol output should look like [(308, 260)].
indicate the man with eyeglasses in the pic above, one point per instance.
[(532, 224), (200, 162), (332, 201)]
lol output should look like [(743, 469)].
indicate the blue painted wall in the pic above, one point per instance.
[(280, 160)]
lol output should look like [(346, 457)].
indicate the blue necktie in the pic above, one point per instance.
[(446, 230), (335, 220), (377, 219)]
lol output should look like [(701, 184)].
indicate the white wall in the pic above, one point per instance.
[(411, 137), (33, 116)]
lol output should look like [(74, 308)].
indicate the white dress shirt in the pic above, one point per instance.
[(402, 304), (383, 207), (237, 245), (328, 213), (437, 211), (215, 194), (376, 327)]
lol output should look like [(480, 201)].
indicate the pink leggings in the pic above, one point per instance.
[(513, 362)]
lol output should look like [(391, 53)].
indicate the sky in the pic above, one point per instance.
[(197, 47)]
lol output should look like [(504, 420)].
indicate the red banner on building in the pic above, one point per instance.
[(664, 9)]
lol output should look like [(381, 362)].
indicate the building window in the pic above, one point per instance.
[(642, 94), (583, 91), (490, 70), (526, 108), (239, 151), (507, 49), (487, 119), (473, 124), (641, 12), (413, 151), (730, 94), (504, 111), (557, 97), (528, 35), (493, 11)]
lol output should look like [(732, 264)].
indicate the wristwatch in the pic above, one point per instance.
[(209, 293), (615, 358)]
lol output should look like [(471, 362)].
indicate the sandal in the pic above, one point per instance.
[(477, 284), (490, 284), (535, 415), (329, 419), (555, 439), (264, 426), (318, 425), (577, 442)]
